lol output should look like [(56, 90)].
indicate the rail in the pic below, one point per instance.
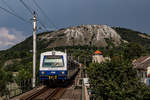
[(34, 94), (44, 94)]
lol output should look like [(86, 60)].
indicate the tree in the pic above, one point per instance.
[(25, 73), (23, 79), (4, 79), (116, 80), (133, 50)]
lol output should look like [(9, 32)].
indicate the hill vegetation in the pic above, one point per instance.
[(134, 36), (19, 57), (117, 79)]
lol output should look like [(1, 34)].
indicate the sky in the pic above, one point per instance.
[(132, 14)]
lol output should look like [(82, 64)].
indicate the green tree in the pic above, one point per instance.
[(23, 79), (3, 81), (116, 80), (5, 77), (133, 50), (25, 73)]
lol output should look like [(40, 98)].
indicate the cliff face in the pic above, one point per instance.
[(94, 35)]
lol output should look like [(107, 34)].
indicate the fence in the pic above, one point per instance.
[(17, 88)]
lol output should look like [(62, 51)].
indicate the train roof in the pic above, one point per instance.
[(51, 53)]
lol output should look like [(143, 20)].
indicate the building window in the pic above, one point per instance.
[(146, 74)]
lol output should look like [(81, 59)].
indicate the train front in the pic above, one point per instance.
[(53, 66)]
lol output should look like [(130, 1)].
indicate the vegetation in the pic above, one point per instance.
[(134, 50), (19, 59), (5, 77), (134, 36), (116, 79)]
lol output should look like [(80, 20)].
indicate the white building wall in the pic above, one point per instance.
[(98, 58)]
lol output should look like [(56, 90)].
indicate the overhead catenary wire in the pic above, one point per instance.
[(13, 11), (6, 10), (41, 23), (10, 8), (26, 6), (44, 14), (31, 12)]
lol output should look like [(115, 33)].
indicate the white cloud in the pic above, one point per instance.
[(10, 37)]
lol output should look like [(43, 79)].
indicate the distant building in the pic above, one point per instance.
[(98, 57), (142, 65)]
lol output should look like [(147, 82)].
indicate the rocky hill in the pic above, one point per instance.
[(77, 36), (92, 35), (96, 35), (85, 35)]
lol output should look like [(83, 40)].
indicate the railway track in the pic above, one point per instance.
[(49, 93), (45, 94)]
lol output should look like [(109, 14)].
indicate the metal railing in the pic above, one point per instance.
[(17, 88), (83, 91)]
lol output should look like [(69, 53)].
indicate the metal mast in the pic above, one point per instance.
[(34, 49)]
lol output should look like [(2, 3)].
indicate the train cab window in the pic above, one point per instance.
[(53, 61)]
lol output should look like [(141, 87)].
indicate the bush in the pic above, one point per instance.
[(116, 80)]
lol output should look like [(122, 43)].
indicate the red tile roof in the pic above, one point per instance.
[(98, 52)]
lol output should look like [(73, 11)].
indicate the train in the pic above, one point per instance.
[(57, 65)]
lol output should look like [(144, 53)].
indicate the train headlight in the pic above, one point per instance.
[(62, 72), (43, 73), (53, 72)]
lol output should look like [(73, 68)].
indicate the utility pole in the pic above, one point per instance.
[(34, 49)]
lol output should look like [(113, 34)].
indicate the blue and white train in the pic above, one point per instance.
[(56, 65)]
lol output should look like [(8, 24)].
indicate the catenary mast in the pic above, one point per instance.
[(34, 49)]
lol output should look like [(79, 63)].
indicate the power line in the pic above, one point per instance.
[(26, 6), (30, 11), (4, 9), (41, 23), (13, 11), (8, 6), (45, 15)]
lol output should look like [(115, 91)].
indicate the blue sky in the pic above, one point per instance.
[(133, 14)]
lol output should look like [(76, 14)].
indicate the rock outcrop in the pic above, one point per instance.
[(93, 35)]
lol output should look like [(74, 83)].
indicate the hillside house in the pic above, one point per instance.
[(141, 65), (98, 57)]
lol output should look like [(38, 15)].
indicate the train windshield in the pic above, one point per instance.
[(53, 61)]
